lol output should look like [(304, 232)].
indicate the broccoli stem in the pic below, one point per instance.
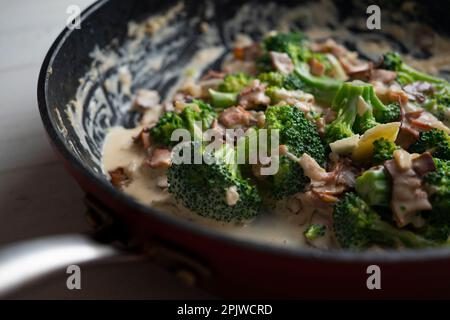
[(383, 113), (222, 99), (346, 104), (408, 238), (407, 71), (324, 89)]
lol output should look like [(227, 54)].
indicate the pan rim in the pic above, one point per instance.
[(337, 255)]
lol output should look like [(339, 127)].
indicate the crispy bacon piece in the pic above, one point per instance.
[(397, 95), (281, 62), (244, 57), (253, 95), (249, 52), (330, 46), (328, 185), (408, 195), (426, 121), (417, 90), (142, 139), (119, 178), (313, 170), (356, 68), (423, 164), (383, 76), (317, 67), (234, 117), (211, 74), (406, 136), (159, 158)]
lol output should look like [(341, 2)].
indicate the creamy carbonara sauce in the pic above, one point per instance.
[(119, 151)]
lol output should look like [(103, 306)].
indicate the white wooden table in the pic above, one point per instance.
[(37, 196)]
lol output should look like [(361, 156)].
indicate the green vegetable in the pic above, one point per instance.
[(234, 83), (297, 47), (187, 119), (405, 73), (300, 136), (346, 104), (203, 187), (438, 182), (373, 187), (222, 99), (324, 89), (314, 231), (293, 43), (384, 113), (437, 102), (364, 119), (273, 78), (359, 109), (435, 141), (383, 150), (359, 227), (168, 123)]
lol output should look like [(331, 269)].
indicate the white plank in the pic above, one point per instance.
[(38, 201), (27, 29)]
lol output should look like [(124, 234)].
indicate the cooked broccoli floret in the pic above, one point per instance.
[(405, 73), (300, 136), (346, 104), (277, 80), (437, 182), (358, 227), (383, 150), (215, 190), (292, 82), (234, 83), (293, 43), (273, 78), (435, 141), (195, 112), (298, 49), (168, 123), (373, 187), (364, 119), (384, 113), (437, 102), (358, 109), (314, 231)]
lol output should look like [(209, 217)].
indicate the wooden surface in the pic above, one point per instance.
[(37, 196)]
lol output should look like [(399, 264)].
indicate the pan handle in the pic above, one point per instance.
[(28, 261)]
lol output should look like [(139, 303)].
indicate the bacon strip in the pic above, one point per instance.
[(281, 62), (408, 195), (119, 178), (159, 158)]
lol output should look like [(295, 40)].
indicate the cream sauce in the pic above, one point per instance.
[(279, 227)]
